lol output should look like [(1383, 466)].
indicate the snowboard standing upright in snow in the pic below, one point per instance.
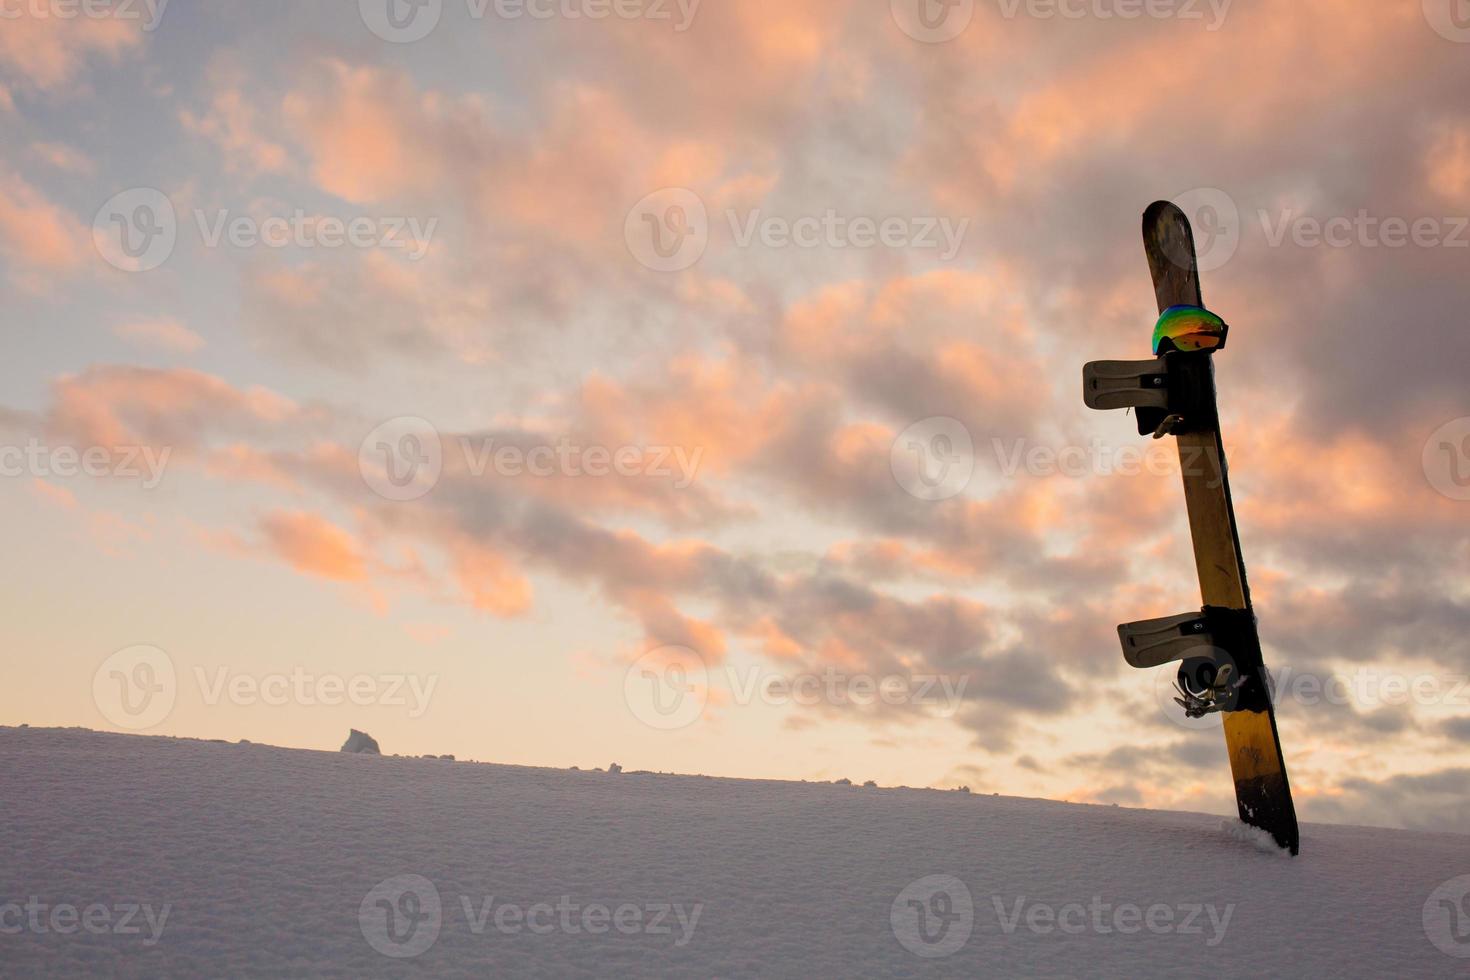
[(1174, 394)]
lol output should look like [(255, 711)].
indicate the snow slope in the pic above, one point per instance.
[(246, 860)]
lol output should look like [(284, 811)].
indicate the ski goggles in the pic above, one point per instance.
[(1189, 329)]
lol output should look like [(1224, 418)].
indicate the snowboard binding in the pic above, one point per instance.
[(1205, 686), (1172, 394), (1210, 645)]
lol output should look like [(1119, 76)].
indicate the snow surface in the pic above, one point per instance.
[(247, 860)]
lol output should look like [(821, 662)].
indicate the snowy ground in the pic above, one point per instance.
[(152, 857)]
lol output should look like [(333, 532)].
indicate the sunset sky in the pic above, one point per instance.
[(756, 254)]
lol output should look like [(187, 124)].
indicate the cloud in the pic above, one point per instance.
[(39, 241), (54, 495), (47, 52), (233, 122), (116, 406), (63, 157), (162, 333), (313, 546), (1434, 800)]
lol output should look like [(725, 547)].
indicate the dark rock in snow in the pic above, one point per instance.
[(362, 743)]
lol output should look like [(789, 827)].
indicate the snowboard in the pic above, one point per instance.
[(1262, 790)]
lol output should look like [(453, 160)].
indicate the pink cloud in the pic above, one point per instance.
[(49, 51), (37, 237), (234, 123)]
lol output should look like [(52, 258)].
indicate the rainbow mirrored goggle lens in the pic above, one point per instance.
[(1189, 329)]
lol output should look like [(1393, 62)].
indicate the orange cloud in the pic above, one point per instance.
[(367, 132), (116, 406), (489, 583), (1448, 162), (314, 546)]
